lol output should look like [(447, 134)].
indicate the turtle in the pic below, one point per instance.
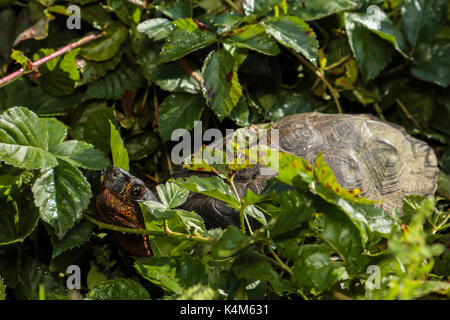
[(117, 204), (377, 157)]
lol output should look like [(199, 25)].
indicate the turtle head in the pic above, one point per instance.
[(119, 195)]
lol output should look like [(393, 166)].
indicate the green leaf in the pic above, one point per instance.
[(185, 38), (156, 209), (129, 13), (18, 218), (106, 46), (95, 14), (296, 208), (154, 221), (96, 129), (294, 33), (291, 104), (78, 235), (316, 9), (379, 23), (59, 75), (432, 63), (95, 275), (177, 9), (241, 113), (253, 37), (172, 195), (114, 84), (173, 275), (178, 111), (227, 21), (20, 58), (2, 290), (340, 234), (229, 243), (157, 28), (56, 131), (37, 31), (172, 78), (192, 222), (422, 19), (8, 24), (23, 140), (92, 70), (118, 289), (258, 7), (372, 53), (315, 270), (221, 87), (81, 154), (61, 194), (119, 153), (210, 186), (253, 267), (33, 275), (142, 145), (199, 292)]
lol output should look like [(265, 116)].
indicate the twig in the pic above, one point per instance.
[(238, 198), (170, 234), (319, 74), (188, 70), (408, 115), (166, 151), (379, 111), (11, 77), (155, 107), (281, 263), (234, 6)]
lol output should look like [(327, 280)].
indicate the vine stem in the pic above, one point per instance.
[(188, 70), (241, 209), (234, 6), (320, 75), (12, 76), (169, 233), (280, 262), (408, 115)]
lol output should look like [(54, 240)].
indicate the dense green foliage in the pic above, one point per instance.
[(162, 65)]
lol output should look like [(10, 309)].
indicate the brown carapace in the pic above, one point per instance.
[(117, 204)]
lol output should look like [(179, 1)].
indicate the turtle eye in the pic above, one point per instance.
[(137, 191)]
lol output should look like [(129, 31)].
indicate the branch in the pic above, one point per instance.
[(188, 70), (332, 90), (13, 76), (408, 115), (170, 234)]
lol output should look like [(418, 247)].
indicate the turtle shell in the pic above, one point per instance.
[(380, 158)]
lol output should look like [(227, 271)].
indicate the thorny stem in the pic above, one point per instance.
[(167, 233), (16, 74), (320, 75)]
